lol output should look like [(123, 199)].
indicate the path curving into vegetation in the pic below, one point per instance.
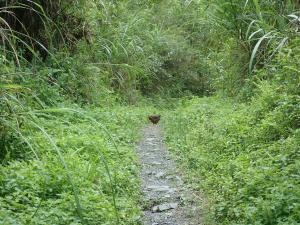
[(167, 201)]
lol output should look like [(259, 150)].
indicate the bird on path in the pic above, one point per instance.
[(154, 118)]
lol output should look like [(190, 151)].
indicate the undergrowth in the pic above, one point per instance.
[(246, 162), (245, 156), (76, 164), (76, 168)]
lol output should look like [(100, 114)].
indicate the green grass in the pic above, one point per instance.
[(243, 157), (70, 147), (77, 166)]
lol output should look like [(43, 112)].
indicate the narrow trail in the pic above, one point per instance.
[(166, 199)]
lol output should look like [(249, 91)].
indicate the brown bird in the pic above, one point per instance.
[(154, 118)]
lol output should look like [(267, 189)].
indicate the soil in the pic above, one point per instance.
[(167, 200)]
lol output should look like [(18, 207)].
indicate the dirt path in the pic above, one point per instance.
[(167, 201)]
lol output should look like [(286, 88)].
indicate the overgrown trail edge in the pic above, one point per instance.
[(166, 199)]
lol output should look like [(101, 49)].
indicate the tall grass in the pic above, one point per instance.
[(255, 30), (80, 53), (243, 154), (58, 56)]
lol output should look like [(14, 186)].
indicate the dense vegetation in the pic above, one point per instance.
[(78, 77), (244, 151), (245, 158), (72, 172)]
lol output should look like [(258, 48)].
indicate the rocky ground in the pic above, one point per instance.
[(167, 200)]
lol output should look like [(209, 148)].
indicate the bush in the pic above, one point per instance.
[(244, 156), (73, 156)]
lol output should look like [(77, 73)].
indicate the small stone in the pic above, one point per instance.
[(164, 207), (170, 177), (160, 175), (150, 143), (150, 139), (179, 180), (161, 188)]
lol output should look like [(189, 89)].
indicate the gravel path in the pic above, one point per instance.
[(166, 200)]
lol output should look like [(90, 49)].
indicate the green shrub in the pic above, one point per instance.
[(245, 157), (71, 150)]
